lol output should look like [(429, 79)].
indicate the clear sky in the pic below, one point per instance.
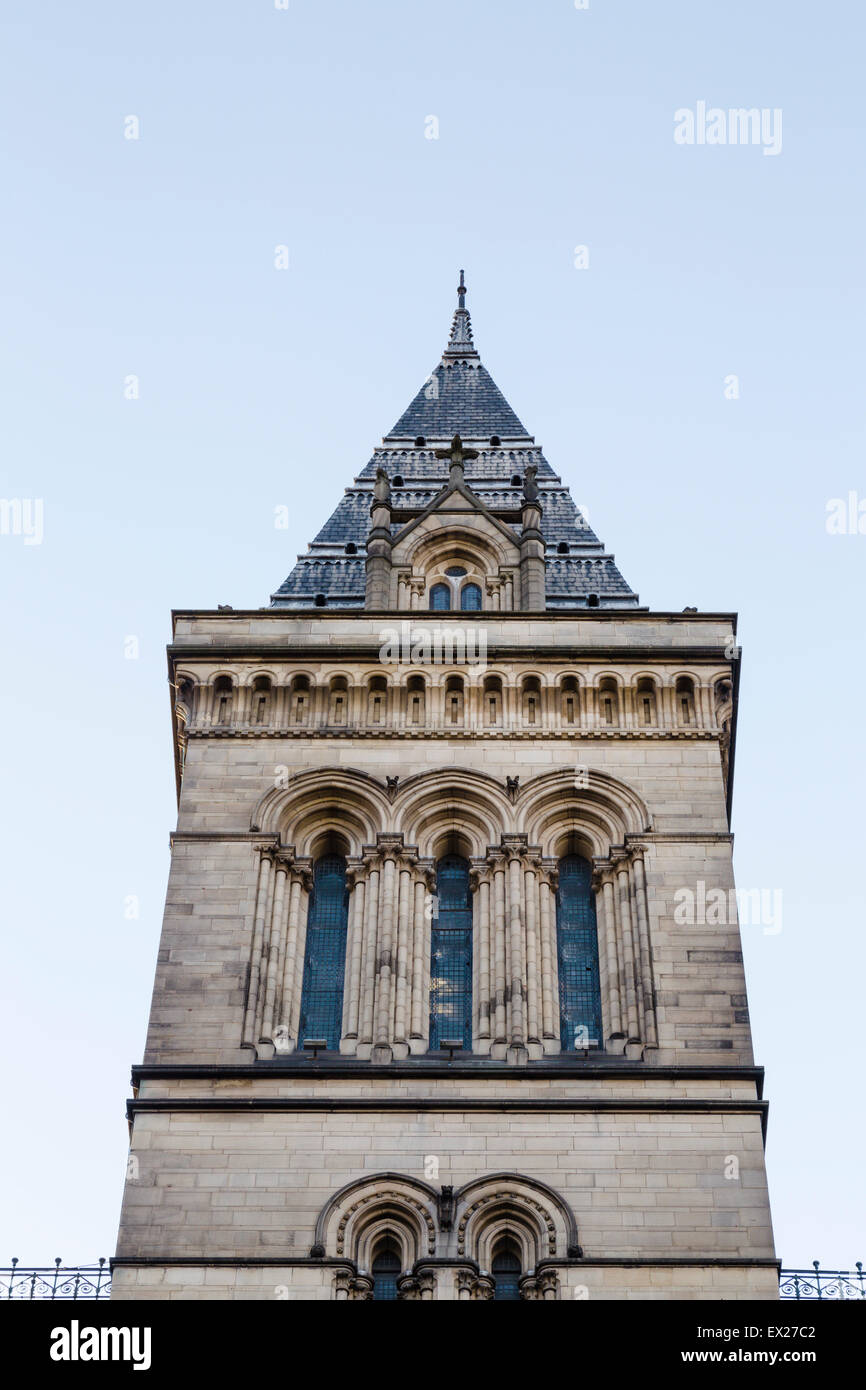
[(260, 127)]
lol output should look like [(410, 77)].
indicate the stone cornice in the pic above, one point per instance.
[(253, 648), (488, 1104), (532, 1105), (303, 1068), (689, 735), (588, 614)]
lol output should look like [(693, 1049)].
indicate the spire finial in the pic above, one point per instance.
[(460, 345)]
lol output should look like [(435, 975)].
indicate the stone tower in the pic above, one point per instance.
[(430, 1019)]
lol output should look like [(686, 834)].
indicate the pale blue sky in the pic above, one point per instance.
[(260, 127)]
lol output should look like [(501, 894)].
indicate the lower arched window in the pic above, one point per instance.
[(325, 956), (577, 952), (451, 956), (385, 1270), (440, 597), (470, 598), (506, 1273)]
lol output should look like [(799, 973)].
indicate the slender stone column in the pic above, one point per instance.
[(549, 980), (668, 706), (354, 953), (276, 946), (707, 718), (371, 922), (629, 717), (300, 949), (638, 972), (483, 952), (429, 871), (585, 706), (249, 1035), (533, 980), (626, 937), (499, 952), (262, 983), (418, 947), (642, 910), (385, 957), (290, 968), (401, 1001), (605, 900), (517, 974)]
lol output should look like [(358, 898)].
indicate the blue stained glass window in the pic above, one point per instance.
[(440, 597), (325, 956), (470, 598), (385, 1270), (577, 953), (506, 1275), (451, 955), (455, 572)]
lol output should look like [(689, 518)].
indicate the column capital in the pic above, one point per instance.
[(471, 1285), (636, 847), (603, 872), (390, 844), (514, 846), (480, 873), (415, 1286)]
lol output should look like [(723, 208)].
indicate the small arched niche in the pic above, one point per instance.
[(223, 700), (454, 701), (608, 703), (530, 699), (261, 700), (416, 701), (299, 700), (646, 702), (338, 701), (493, 701), (684, 700), (377, 701), (569, 701)]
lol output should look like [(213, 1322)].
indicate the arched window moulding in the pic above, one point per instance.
[(440, 1235), (391, 909)]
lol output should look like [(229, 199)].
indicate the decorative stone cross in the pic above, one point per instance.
[(457, 455)]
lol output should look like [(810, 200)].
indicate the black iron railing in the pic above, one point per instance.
[(61, 1282), (77, 1282), (822, 1283)]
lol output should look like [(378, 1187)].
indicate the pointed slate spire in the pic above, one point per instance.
[(459, 395), (460, 345), (506, 471)]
